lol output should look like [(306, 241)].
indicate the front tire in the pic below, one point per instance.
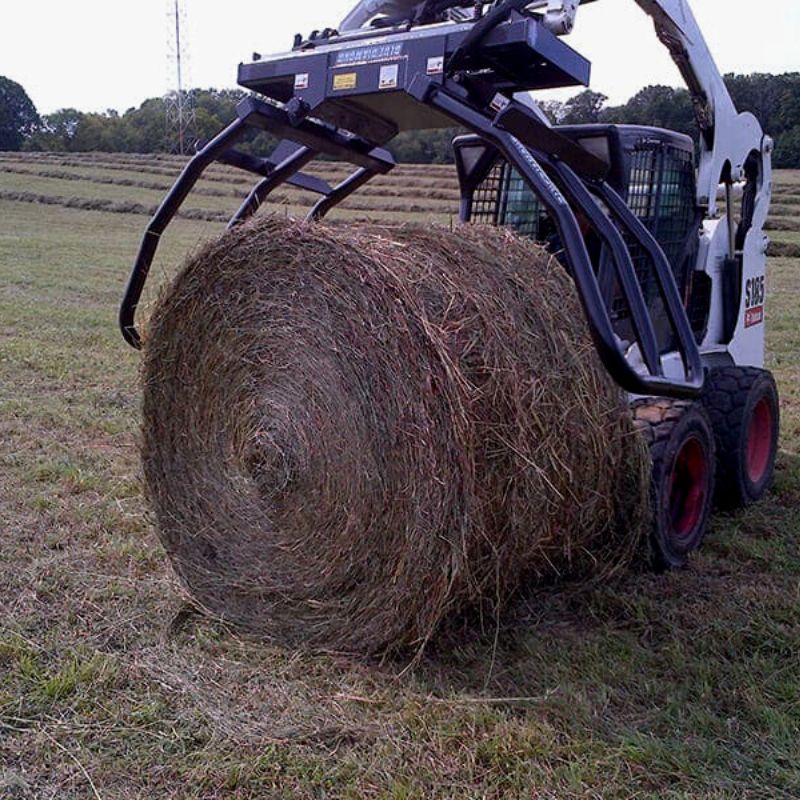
[(682, 450), (743, 405)]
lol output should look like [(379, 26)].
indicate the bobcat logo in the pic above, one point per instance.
[(755, 295)]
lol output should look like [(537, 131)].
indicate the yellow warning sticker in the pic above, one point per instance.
[(345, 80)]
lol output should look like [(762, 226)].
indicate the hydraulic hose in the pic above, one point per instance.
[(483, 28)]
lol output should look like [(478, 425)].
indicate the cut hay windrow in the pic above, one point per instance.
[(784, 249), (196, 214), (779, 209), (352, 433), (109, 206), (398, 185), (392, 201), (776, 223), (176, 162), (104, 180), (99, 164), (409, 179)]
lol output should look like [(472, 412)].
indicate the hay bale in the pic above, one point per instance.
[(350, 433)]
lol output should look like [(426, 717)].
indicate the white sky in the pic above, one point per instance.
[(100, 54)]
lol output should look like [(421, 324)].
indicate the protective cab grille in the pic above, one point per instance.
[(503, 198), (661, 193)]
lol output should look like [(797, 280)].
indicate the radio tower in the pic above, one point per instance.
[(179, 102)]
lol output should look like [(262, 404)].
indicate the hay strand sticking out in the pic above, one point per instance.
[(350, 432)]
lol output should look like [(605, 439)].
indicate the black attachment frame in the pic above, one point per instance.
[(309, 140), (332, 84)]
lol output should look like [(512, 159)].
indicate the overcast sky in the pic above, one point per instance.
[(99, 54)]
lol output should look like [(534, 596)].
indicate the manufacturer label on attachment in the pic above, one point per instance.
[(301, 81), (369, 55), (388, 77), (345, 80)]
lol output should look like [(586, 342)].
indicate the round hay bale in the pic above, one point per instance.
[(351, 432)]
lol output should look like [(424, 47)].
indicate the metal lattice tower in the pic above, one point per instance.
[(179, 102)]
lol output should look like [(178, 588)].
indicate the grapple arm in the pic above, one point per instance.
[(347, 96)]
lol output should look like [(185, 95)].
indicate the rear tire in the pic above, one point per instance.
[(742, 403), (682, 450)]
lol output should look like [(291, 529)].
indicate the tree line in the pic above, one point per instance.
[(774, 99)]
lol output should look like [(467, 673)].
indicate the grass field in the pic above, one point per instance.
[(684, 686)]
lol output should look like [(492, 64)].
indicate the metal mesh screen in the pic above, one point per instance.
[(520, 208), (487, 198), (660, 192), (503, 198)]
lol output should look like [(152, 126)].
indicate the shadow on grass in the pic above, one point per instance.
[(742, 585), (732, 610)]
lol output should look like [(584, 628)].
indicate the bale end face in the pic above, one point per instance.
[(350, 433)]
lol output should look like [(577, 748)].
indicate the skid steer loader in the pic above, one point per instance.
[(664, 239)]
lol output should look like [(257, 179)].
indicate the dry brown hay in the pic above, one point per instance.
[(351, 433), (431, 201), (776, 223), (110, 206), (784, 249), (786, 210)]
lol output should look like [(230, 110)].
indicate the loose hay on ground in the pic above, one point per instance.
[(351, 433)]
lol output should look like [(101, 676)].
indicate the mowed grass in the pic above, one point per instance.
[(681, 686), (403, 195)]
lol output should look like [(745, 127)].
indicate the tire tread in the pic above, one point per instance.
[(725, 399), (656, 419)]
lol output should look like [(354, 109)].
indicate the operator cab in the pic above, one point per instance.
[(651, 168)]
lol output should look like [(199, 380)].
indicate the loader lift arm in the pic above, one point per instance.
[(347, 95), (727, 136)]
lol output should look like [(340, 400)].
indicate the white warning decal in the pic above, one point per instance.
[(435, 65), (389, 76)]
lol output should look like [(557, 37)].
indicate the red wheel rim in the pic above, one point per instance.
[(688, 489), (759, 441)]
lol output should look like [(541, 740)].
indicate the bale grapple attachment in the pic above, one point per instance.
[(346, 96)]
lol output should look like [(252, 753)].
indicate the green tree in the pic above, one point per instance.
[(787, 149), (584, 109), (657, 106), (214, 109), (18, 116), (96, 132), (147, 126), (424, 147), (774, 99), (56, 131), (554, 110)]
